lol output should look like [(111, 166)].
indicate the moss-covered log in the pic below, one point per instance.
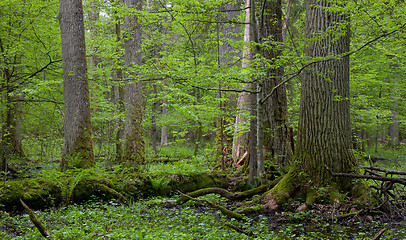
[(58, 188)]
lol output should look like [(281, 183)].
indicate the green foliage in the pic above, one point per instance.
[(143, 220)]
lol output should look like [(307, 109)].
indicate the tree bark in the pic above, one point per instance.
[(324, 131), (133, 148), (78, 146), (276, 131)]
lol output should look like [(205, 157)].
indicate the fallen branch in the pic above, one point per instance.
[(386, 170), (238, 229), (379, 178), (224, 193), (35, 221), (224, 210), (379, 234)]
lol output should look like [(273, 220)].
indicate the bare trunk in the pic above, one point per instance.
[(154, 131), (289, 5), (120, 99), (324, 132), (394, 140), (164, 131), (78, 148), (227, 35), (240, 140), (133, 148)]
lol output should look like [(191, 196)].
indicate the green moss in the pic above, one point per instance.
[(81, 154), (283, 189)]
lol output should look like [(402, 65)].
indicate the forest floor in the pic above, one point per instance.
[(157, 217)]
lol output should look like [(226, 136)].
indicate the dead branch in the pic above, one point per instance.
[(379, 178), (222, 209), (224, 193), (238, 229), (392, 172), (379, 234), (36, 221)]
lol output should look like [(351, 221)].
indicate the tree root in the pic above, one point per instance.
[(224, 210), (223, 193), (35, 221)]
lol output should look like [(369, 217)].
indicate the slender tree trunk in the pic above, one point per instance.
[(289, 5), (394, 140), (154, 131), (121, 93), (78, 148), (133, 149), (276, 131), (164, 130), (227, 35), (240, 139)]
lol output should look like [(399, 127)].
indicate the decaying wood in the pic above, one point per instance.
[(224, 193), (36, 221), (222, 209)]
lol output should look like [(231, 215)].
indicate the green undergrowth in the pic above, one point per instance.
[(143, 220)]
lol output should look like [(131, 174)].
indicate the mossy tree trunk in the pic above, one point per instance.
[(324, 132), (133, 146), (78, 147)]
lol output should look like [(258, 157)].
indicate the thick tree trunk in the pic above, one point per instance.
[(133, 148), (324, 131), (78, 146), (276, 132)]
